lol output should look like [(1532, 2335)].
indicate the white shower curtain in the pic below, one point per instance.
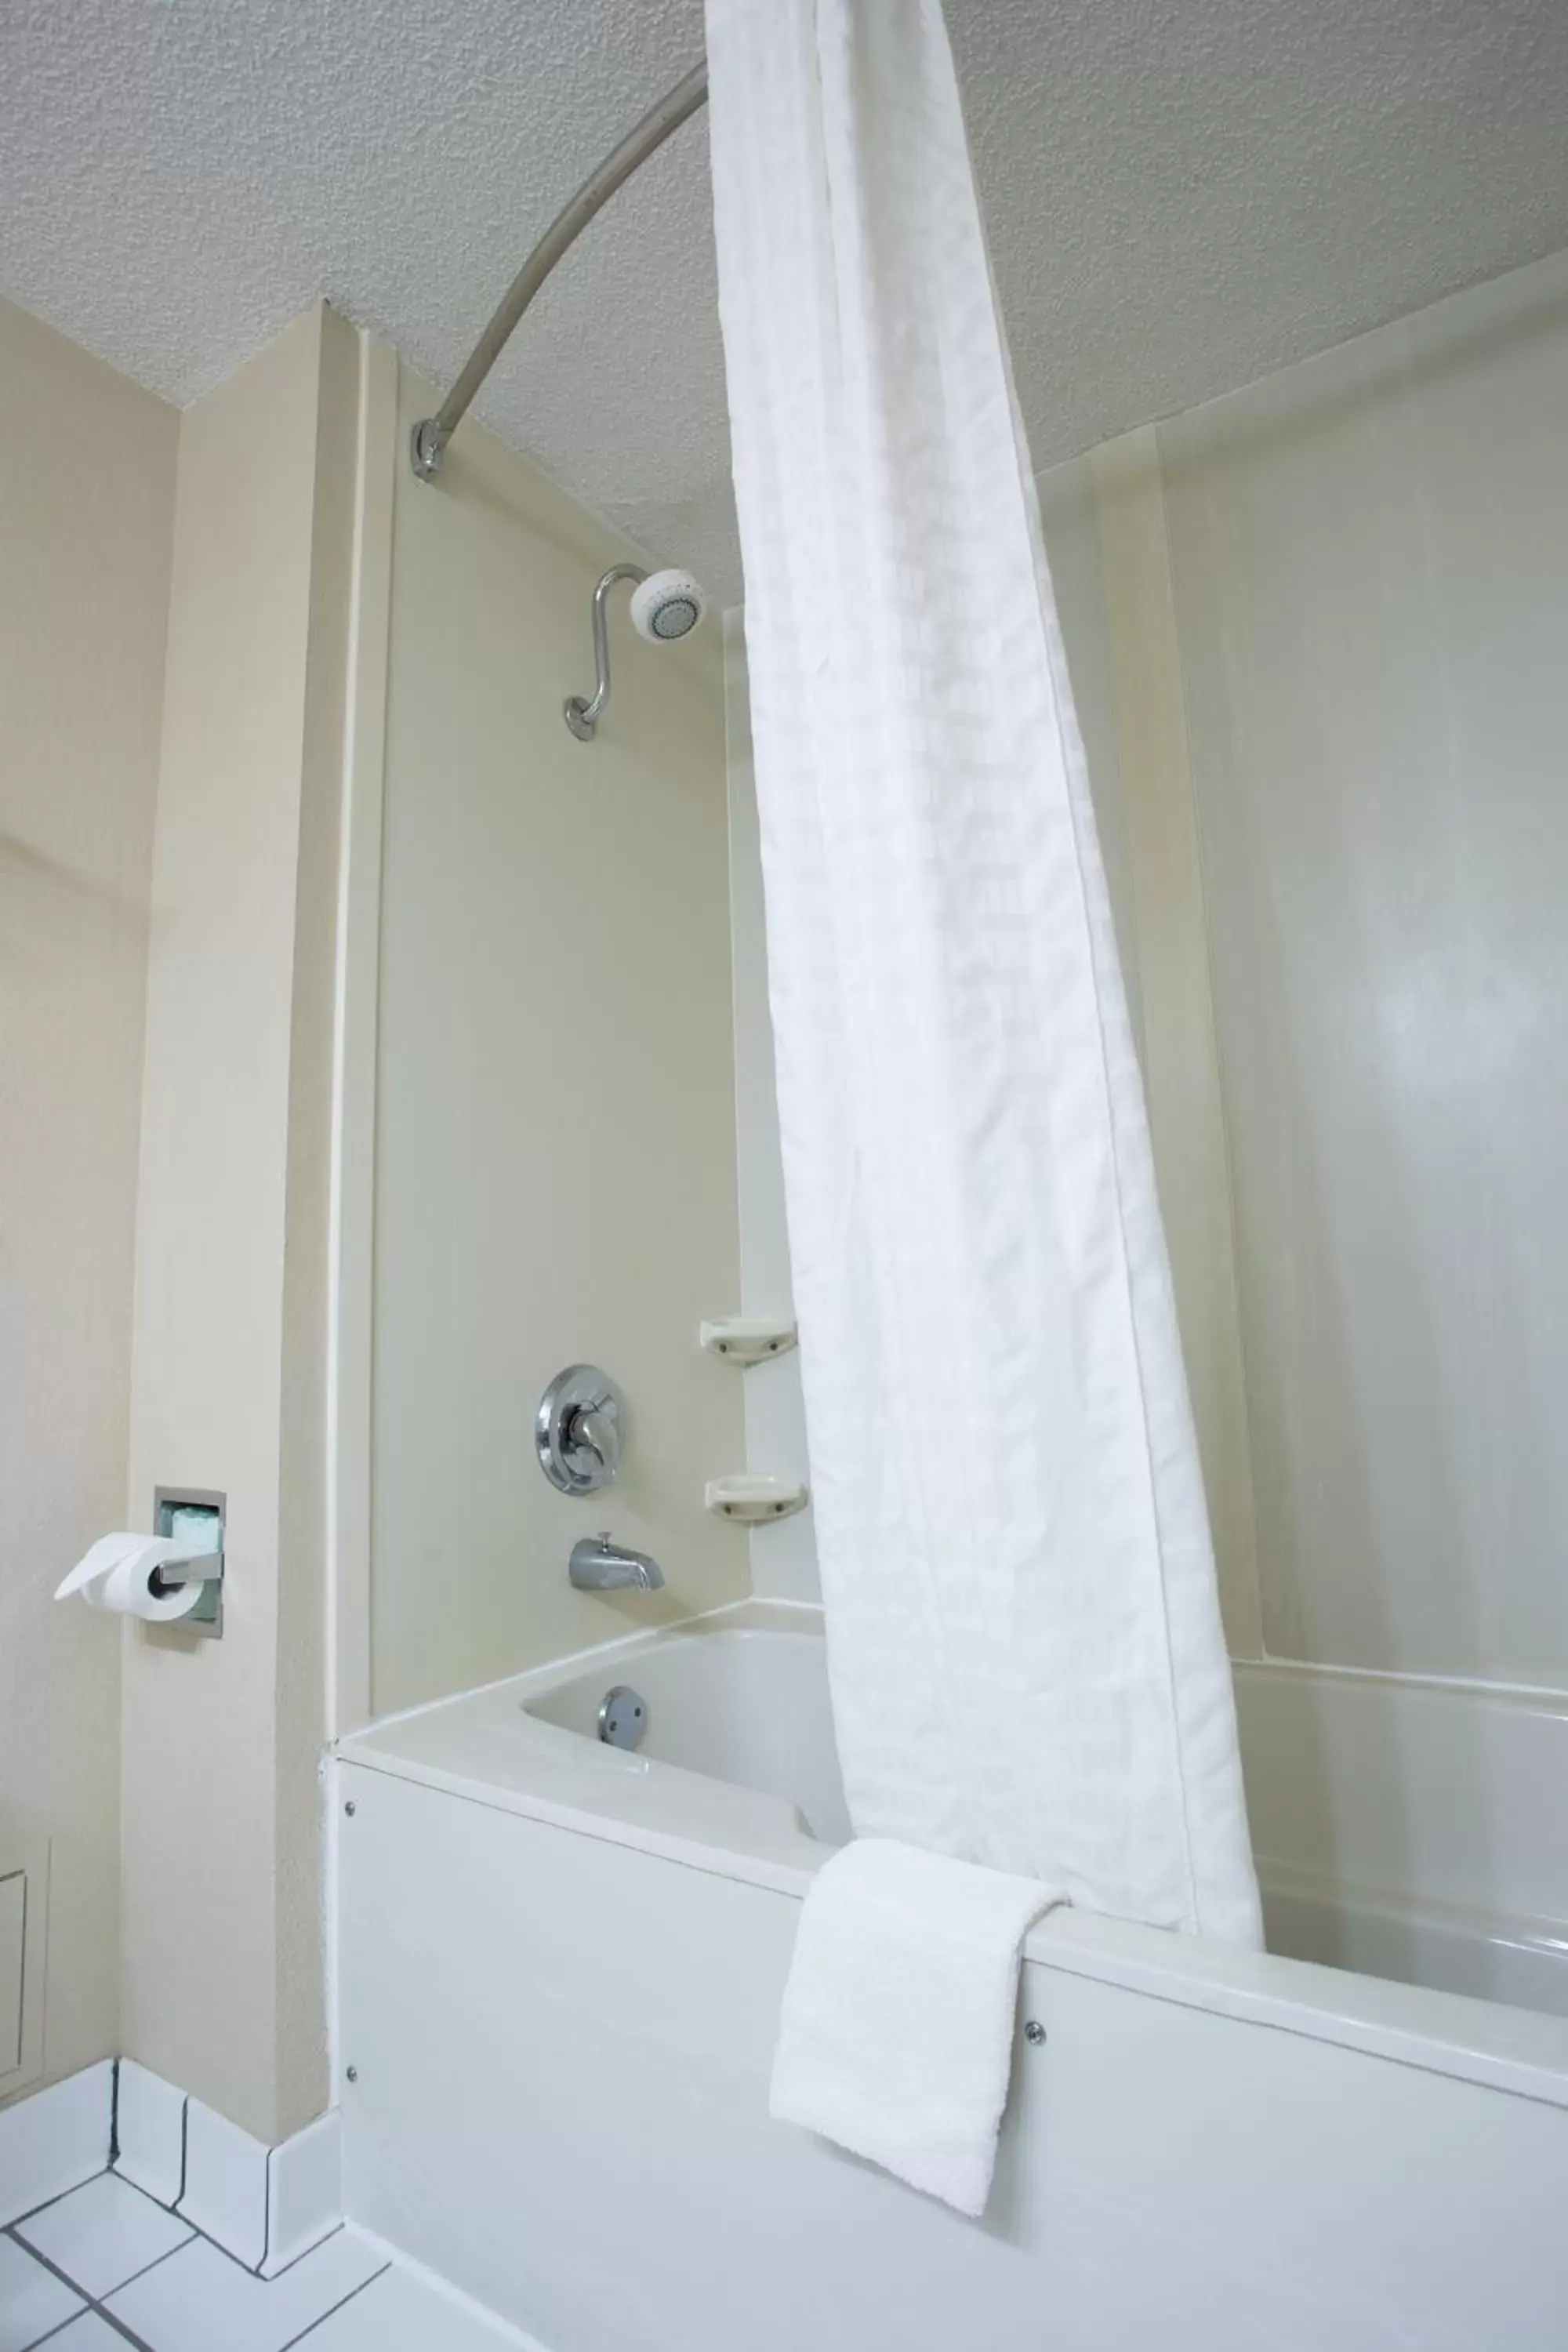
[(1024, 1637)]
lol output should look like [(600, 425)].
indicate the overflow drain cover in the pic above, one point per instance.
[(623, 1716)]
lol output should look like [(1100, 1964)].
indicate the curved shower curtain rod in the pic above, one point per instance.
[(427, 443)]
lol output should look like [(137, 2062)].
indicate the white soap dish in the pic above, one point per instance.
[(753, 1497), (748, 1338)]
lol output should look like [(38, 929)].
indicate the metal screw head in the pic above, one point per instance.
[(351, 2074), (351, 1809), (1034, 2033)]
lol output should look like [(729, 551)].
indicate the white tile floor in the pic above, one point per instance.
[(102, 2234), (105, 2266), (33, 2301)]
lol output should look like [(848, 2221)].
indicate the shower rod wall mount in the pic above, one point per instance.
[(428, 439)]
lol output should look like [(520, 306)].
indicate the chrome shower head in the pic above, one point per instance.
[(664, 605)]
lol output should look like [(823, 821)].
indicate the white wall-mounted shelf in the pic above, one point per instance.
[(748, 1338), (751, 1498)]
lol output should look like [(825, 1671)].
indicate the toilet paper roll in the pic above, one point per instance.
[(131, 1589), (120, 1573)]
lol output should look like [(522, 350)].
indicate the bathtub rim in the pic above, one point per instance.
[(1522, 2052)]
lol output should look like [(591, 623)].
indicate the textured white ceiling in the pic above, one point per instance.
[(1182, 195)]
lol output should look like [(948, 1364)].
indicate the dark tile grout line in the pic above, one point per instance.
[(116, 2328), (101, 2304), (256, 2270), (252, 2270), (325, 2315), (89, 2302)]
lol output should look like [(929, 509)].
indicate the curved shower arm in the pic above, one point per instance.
[(427, 443), (584, 717)]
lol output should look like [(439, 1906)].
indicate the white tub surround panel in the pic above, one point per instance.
[(978, 1262), (1412, 1828), (1369, 560), (554, 1177), (1140, 751)]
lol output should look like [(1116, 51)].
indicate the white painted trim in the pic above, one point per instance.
[(54, 2140), (30, 1860), (149, 2133), (224, 2192), (352, 1261), (304, 2192), (265, 2206)]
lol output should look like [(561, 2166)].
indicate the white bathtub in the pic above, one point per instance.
[(560, 1967), (744, 1701)]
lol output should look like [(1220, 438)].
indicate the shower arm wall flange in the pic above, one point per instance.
[(428, 439), (582, 717)]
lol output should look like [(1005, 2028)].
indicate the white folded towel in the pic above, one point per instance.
[(896, 2034)]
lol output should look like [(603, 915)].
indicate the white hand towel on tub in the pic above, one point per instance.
[(896, 2034)]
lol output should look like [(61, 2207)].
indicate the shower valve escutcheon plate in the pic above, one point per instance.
[(579, 1431)]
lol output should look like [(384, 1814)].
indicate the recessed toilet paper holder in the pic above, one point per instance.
[(200, 1566)]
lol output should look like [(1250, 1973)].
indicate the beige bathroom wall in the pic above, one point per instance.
[(87, 504), (1370, 564), (222, 1920), (554, 1144)]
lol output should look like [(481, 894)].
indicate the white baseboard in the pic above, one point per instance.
[(225, 2192), (304, 2192), (55, 2139), (150, 2133), (266, 2206)]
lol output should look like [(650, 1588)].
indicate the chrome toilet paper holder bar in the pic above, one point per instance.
[(203, 1567)]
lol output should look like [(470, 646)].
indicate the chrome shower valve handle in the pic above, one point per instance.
[(579, 1431)]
